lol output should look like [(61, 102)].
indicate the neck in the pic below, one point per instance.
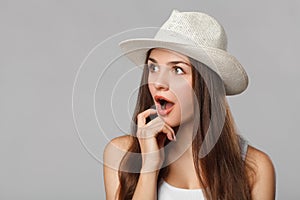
[(182, 172), (182, 148)]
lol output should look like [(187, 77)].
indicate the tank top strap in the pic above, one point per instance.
[(243, 145)]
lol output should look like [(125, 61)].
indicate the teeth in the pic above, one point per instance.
[(163, 106), (163, 103)]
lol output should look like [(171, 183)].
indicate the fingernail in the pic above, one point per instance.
[(174, 137)]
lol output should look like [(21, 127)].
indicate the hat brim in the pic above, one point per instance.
[(225, 65)]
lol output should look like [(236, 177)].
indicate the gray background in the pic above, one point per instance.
[(42, 45)]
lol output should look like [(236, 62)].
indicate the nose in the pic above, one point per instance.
[(161, 82)]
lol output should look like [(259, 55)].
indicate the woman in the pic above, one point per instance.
[(191, 149)]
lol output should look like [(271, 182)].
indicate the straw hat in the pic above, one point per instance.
[(198, 36)]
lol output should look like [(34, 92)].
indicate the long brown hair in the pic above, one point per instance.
[(223, 171)]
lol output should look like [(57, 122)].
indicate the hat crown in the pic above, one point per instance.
[(193, 28), (198, 36)]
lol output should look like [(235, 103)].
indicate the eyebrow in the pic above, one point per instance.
[(171, 62)]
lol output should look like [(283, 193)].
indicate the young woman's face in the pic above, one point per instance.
[(170, 84)]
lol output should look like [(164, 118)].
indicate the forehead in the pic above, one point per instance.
[(165, 55)]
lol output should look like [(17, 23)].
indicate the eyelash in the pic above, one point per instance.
[(176, 67), (151, 66)]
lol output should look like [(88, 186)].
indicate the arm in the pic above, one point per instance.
[(112, 156), (146, 188), (152, 157), (147, 183), (264, 182), (111, 183)]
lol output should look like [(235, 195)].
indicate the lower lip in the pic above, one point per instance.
[(165, 111)]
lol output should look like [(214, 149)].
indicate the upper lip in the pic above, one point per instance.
[(158, 98)]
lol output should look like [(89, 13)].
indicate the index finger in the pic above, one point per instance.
[(141, 118)]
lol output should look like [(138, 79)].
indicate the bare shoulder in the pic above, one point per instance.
[(261, 159), (258, 155), (122, 142), (116, 149), (263, 181), (113, 153)]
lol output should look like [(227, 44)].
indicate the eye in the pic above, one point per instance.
[(178, 70), (152, 67)]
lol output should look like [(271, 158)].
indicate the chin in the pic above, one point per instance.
[(171, 121)]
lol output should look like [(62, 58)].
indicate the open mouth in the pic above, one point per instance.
[(164, 105)]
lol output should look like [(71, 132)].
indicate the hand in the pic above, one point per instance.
[(152, 137)]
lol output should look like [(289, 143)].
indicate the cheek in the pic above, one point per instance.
[(183, 89), (151, 89), (185, 95), (186, 98)]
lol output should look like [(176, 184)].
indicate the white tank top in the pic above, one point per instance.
[(169, 192)]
